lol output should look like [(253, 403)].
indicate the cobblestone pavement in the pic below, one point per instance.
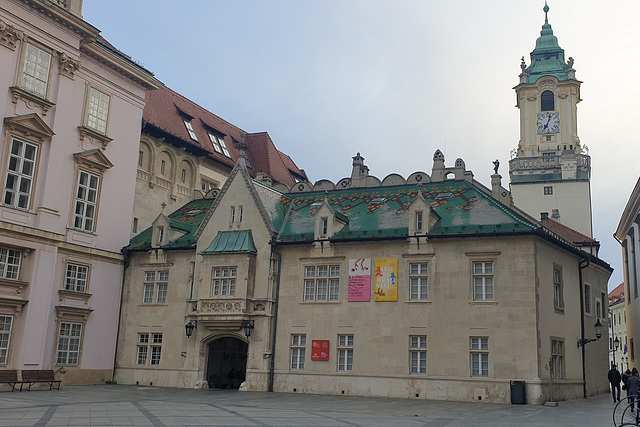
[(119, 405)]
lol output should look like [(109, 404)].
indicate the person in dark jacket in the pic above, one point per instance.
[(615, 379), (632, 387), (625, 377)]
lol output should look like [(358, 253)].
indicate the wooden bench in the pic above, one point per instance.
[(10, 376), (35, 376)]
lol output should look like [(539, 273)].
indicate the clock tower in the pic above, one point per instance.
[(550, 170)]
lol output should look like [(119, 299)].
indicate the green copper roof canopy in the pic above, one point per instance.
[(547, 59)]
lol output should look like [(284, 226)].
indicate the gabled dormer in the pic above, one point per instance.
[(328, 222), (161, 230), (422, 218)]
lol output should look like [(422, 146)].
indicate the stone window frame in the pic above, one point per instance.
[(231, 281), (155, 284), (479, 354), (558, 288), (418, 354), (345, 352), (558, 356), (332, 279), (297, 351), (87, 112), (5, 339)]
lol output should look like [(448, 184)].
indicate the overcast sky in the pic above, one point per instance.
[(395, 80)]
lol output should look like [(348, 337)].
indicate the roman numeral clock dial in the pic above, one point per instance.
[(548, 122)]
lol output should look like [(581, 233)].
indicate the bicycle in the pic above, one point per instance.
[(626, 412)]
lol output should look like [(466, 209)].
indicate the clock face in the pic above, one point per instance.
[(548, 122)]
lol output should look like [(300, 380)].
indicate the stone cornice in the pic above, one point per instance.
[(52, 12), (9, 36)]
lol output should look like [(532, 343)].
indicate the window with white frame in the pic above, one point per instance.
[(6, 326), (155, 287), (143, 349), (479, 351), (76, 278), (97, 114), (10, 263), (86, 205), (558, 288), (321, 282), (298, 347), (223, 281), (36, 68), (482, 281), (69, 339), (418, 281), (557, 359), (189, 126), (219, 144), (419, 221), (587, 298), (418, 354), (345, 353), (149, 349), (19, 180)]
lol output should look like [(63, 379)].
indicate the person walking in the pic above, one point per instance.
[(632, 387), (615, 379)]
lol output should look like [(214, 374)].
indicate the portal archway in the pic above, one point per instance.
[(227, 363)]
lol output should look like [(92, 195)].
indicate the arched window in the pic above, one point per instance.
[(547, 101)]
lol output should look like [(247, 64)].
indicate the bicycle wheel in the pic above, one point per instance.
[(629, 415), (618, 410)]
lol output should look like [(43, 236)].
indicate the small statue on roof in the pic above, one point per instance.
[(570, 62), (496, 165), (523, 66)]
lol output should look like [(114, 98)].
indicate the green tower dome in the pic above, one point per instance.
[(547, 59)]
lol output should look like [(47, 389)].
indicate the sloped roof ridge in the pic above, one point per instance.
[(503, 208), (570, 230), (203, 109), (273, 190)]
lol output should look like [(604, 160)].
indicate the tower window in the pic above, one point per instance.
[(547, 101), (548, 191)]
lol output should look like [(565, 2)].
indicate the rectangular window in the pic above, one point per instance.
[(134, 225), (632, 350), (189, 126), (557, 359), (223, 281), (156, 349), (418, 354), (219, 144), (558, 288), (76, 278), (587, 298), (86, 201), (18, 186), (482, 281), (479, 349), (548, 191), (35, 70), (97, 111), (345, 353), (298, 345), (143, 342), (156, 284), (6, 325), (604, 304), (419, 224), (325, 226), (9, 263), (140, 157), (321, 283), (149, 348), (418, 281), (69, 343)]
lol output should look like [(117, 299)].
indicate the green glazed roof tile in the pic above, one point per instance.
[(226, 242)]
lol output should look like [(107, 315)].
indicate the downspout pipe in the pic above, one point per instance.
[(125, 253), (581, 267), (278, 257)]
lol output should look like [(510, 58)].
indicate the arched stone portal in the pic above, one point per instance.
[(227, 363)]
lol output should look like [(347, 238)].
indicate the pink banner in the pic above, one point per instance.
[(359, 280)]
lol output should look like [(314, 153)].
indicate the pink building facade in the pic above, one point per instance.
[(71, 114)]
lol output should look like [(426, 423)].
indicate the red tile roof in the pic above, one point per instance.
[(163, 110), (566, 232), (617, 293)]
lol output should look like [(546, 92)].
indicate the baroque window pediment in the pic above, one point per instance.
[(94, 136), (94, 159), (29, 125)]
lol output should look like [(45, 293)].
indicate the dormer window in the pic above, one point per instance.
[(547, 102), (160, 235), (236, 214), (218, 143), (324, 226), (187, 123), (419, 223)]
